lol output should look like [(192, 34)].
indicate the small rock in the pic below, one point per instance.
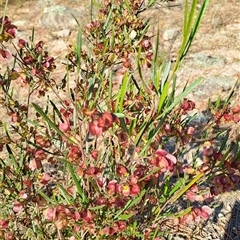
[(62, 33), (199, 119), (214, 85), (225, 82), (58, 46), (60, 17), (206, 60), (20, 23), (170, 145), (170, 34), (199, 162), (221, 215), (179, 238)]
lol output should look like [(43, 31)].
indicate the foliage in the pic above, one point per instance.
[(103, 131)]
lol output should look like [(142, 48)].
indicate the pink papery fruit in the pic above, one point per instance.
[(112, 186), (5, 53), (105, 121), (22, 194), (94, 129), (206, 212), (109, 231), (94, 154), (121, 170), (45, 178), (191, 196), (4, 223), (17, 206), (35, 164), (64, 127), (50, 214), (126, 190), (86, 215), (135, 190)]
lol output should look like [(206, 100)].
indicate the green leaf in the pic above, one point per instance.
[(3, 17), (53, 125), (165, 75), (145, 87), (77, 183), (151, 3), (108, 18), (182, 96), (56, 109), (122, 92), (163, 97), (190, 28), (147, 122), (126, 216), (179, 184), (156, 232), (195, 25), (33, 33), (163, 115), (185, 19), (132, 126), (123, 125), (65, 194), (156, 80), (119, 115), (76, 20), (97, 207), (223, 141), (130, 203), (178, 194), (12, 158), (183, 213), (172, 94), (226, 102), (151, 173), (49, 200), (79, 49)]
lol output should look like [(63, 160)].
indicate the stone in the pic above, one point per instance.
[(60, 17), (57, 46), (206, 60), (213, 85), (62, 33), (171, 34), (20, 23)]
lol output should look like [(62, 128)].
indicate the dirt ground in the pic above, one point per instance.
[(214, 55)]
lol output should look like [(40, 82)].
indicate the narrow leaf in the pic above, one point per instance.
[(130, 203), (182, 95), (126, 216), (65, 194), (53, 125), (184, 189), (77, 183)]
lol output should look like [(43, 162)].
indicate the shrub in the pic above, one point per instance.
[(105, 126)]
